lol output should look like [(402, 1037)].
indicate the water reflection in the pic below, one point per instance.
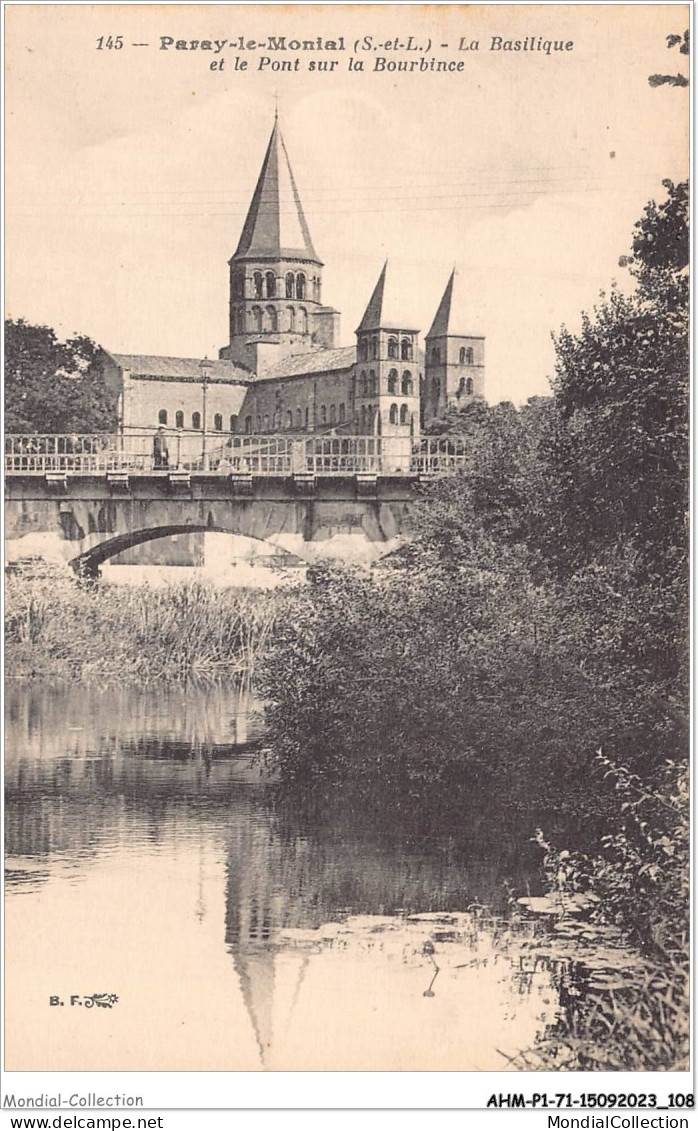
[(149, 857)]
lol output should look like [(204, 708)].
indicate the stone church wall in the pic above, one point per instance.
[(145, 398), (321, 395)]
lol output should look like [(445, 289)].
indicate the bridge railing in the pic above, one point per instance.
[(225, 454), (95, 453), (440, 455)]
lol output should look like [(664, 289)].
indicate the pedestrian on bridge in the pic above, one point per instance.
[(161, 455)]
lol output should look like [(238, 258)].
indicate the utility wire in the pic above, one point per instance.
[(622, 176), (515, 199)]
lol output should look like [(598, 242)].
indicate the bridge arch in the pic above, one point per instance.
[(88, 562)]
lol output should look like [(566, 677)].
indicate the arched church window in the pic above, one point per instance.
[(469, 356), (258, 281), (270, 279), (239, 284), (290, 280), (392, 381), (307, 417), (374, 347), (303, 320), (248, 423), (299, 419), (363, 350), (291, 317), (266, 422), (271, 318), (363, 418), (233, 422), (289, 419), (333, 414), (372, 385), (162, 416), (436, 355), (259, 424), (218, 422), (393, 414), (257, 318), (362, 383), (469, 385), (196, 419), (406, 350), (407, 384), (240, 320), (392, 347), (300, 285), (342, 414), (403, 414), (323, 414), (179, 420)]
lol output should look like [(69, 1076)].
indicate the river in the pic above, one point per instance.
[(150, 860)]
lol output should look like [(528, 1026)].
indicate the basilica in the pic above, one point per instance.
[(283, 368)]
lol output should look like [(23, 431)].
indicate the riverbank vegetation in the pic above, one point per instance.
[(59, 630), (538, 617), (540, 610)]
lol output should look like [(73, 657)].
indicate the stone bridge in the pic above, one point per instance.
[(314, 496), (310, 516)]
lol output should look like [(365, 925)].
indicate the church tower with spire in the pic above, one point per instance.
[(454, 371), (386, 398), (275, 305)]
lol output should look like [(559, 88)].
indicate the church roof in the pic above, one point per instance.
[(276, 227), (450, 314), (382, 311), (315, 361), (179, 368)]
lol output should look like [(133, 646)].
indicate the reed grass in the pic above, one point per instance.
[(55, 628), (645, 1028)]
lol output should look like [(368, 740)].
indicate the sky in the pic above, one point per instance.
[(129, 172)]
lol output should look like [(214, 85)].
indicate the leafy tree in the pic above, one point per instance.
[(621, 388), (54, 386), (683, 44), (503, 489), (661, 240)]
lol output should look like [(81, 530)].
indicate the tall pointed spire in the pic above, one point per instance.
[(373, 314), (256, 969), (276, 227), (442, 319)]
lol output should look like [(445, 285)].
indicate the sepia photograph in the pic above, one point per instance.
[(346, 571)]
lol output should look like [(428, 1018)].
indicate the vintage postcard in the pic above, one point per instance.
[(346, 555)]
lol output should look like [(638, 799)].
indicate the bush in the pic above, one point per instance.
[(640, 872), (639, 875), (432, 679)]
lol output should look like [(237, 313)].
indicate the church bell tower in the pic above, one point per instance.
[(275, 307), (454, 370), (386, 400)]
